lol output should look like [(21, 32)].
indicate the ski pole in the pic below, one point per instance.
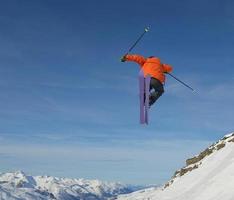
[(141, 36), (181, 82)]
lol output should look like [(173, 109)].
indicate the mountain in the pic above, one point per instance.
[(19, 186), (207, 176)]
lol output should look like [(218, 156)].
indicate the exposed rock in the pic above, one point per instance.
[(191, 161), (220, 146), (232, 140), (202, 155)]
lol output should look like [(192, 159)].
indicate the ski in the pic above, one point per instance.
[(141, 95), (147, 93)]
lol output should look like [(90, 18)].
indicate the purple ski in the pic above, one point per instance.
[(141, 95), (144, 86), (147, 93)]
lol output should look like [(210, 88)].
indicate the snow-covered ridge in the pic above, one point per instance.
[(206, 176), (194, 162), (18, 185)]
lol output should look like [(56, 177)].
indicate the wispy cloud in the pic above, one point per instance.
[(163, 156)]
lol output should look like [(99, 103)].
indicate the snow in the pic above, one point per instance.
[(228, 135), (207, 176), (212, 180), (18, 186)]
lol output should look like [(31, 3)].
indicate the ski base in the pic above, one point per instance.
[(144, 87)]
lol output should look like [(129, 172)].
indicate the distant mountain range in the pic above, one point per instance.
[(19, 186)]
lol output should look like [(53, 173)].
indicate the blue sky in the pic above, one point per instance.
[(69, 107)]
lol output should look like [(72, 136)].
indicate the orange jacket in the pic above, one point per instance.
[(151, 66)]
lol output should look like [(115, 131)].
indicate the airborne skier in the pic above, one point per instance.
[(151, 66)]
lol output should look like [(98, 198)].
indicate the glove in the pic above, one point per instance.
[(123, 59)]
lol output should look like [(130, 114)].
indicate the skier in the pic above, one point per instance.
[(151, 66)]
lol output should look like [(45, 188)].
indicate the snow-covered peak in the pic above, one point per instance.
[(206, 176), (18, 185), (17, 179), (229, 135)]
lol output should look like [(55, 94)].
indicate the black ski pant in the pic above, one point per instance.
[(157, 88)]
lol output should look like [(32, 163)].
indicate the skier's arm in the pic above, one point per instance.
[(167, 68), (135, 58)]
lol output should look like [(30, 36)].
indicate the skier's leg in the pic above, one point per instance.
[(158, 90)]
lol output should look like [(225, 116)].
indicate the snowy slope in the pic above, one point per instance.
[(207, 176), (19, 186)]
